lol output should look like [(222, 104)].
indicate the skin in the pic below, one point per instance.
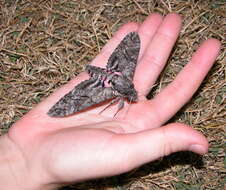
[(49, 152)]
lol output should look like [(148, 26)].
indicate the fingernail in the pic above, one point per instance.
[(197, 148)]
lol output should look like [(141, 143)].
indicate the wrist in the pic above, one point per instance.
[(15, 170)]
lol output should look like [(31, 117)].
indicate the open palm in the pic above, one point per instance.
[(88, 145)]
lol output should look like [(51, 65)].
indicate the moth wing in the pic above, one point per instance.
[(84, 95), (125, 56)]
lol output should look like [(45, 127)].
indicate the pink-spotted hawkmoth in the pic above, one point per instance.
[(113, 82)]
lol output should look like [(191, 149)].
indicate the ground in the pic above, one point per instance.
[(43, 44)]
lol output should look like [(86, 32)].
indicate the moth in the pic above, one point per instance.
[(113, 82)]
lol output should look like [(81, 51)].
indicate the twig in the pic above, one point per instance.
[(13, 52), (22, 31)]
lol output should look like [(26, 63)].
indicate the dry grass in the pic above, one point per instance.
[(45, 43)]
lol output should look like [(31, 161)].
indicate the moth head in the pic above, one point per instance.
[(132, 96)]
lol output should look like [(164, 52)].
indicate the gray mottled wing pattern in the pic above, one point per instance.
[(94, 91), (95, 71), (125, 56), (84, 95)]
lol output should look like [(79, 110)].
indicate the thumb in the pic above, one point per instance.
[(152, 144)]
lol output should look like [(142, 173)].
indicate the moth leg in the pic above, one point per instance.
[(120, 105), (111, 103)]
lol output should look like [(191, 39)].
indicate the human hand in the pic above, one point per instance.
[(90, 145)]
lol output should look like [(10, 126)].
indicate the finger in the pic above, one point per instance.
[(148, 29), (143, 147), (175, 95), (157, 53)]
